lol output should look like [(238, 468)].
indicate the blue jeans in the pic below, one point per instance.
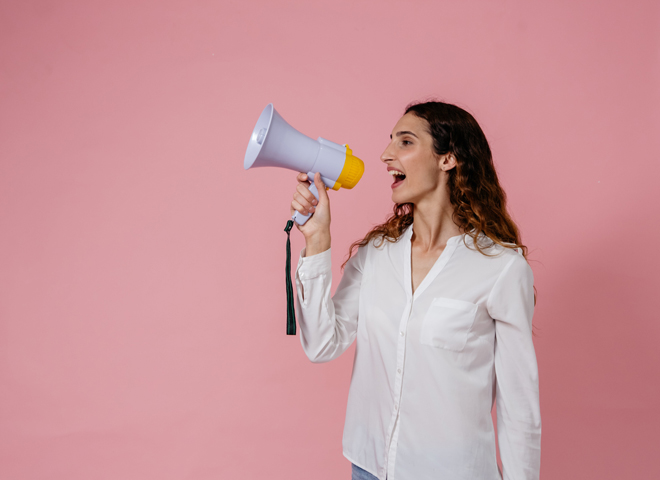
[(360, 474)]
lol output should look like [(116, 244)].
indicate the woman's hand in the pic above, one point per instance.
[(318, 226)]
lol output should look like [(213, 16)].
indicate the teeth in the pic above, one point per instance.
[(395, 172)]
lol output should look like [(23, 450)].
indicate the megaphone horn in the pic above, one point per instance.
[(275, 143)]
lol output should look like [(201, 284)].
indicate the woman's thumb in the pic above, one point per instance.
[(323, 194)]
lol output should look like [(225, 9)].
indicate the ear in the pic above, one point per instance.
[(447, 162)]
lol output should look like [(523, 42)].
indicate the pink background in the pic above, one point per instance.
[(142, 295)]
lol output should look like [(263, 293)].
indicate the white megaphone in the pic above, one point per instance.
[(275, 143)]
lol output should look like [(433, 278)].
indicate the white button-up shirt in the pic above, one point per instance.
[(429, 365)]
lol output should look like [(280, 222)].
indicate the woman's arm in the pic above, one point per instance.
[(511, 305), (327, 325)]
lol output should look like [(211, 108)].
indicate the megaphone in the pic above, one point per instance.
[(275, 143)]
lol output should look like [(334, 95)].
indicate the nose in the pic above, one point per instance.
[(387, 154)]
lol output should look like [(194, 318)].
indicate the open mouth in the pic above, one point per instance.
[(399, 177)]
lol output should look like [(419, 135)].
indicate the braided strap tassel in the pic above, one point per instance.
[(290, 306)]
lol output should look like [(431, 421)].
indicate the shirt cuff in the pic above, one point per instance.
[(314, 265)]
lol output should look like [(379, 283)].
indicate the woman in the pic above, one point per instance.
[(440, 299)]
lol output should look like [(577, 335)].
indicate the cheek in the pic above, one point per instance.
[(424, 178)]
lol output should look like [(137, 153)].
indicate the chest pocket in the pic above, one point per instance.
[(447, 323)]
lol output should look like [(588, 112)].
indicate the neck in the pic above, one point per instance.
[(433, 224)]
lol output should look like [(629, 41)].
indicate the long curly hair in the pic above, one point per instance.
[(474, 191)]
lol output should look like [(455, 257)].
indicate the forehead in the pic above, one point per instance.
[(412, 123)]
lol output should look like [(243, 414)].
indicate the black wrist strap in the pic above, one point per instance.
[(290, 306)]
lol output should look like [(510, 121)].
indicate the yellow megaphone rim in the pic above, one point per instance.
[(351, 173)]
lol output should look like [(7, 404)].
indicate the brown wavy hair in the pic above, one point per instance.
[(474, 191)]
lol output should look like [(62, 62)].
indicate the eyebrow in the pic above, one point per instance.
[(404, 132)]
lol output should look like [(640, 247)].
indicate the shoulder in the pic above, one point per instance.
[(516, 269), (382, 242), (505, 257), (490, 248), (360, 256)]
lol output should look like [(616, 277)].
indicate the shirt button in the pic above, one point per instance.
[(396, 406), (401, 333), (399, 370)]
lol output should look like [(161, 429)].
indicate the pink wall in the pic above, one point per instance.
[(142, 297)]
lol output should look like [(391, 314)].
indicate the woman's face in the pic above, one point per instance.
[(411, 152)]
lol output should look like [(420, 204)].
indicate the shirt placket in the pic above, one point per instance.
[(393, 430)]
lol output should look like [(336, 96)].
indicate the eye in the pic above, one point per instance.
[(406, 142)]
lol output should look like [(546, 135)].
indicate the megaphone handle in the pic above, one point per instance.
[(298, 217)]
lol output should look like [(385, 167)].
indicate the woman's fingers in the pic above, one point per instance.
[(303, 191), (295, 205), (303, 202)]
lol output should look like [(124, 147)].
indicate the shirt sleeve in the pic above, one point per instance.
[(511, 305), (327, 325)]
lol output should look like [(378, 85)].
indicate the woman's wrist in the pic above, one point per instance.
[(317, 244)]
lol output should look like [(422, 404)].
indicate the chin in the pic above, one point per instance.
[(398, 198)]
